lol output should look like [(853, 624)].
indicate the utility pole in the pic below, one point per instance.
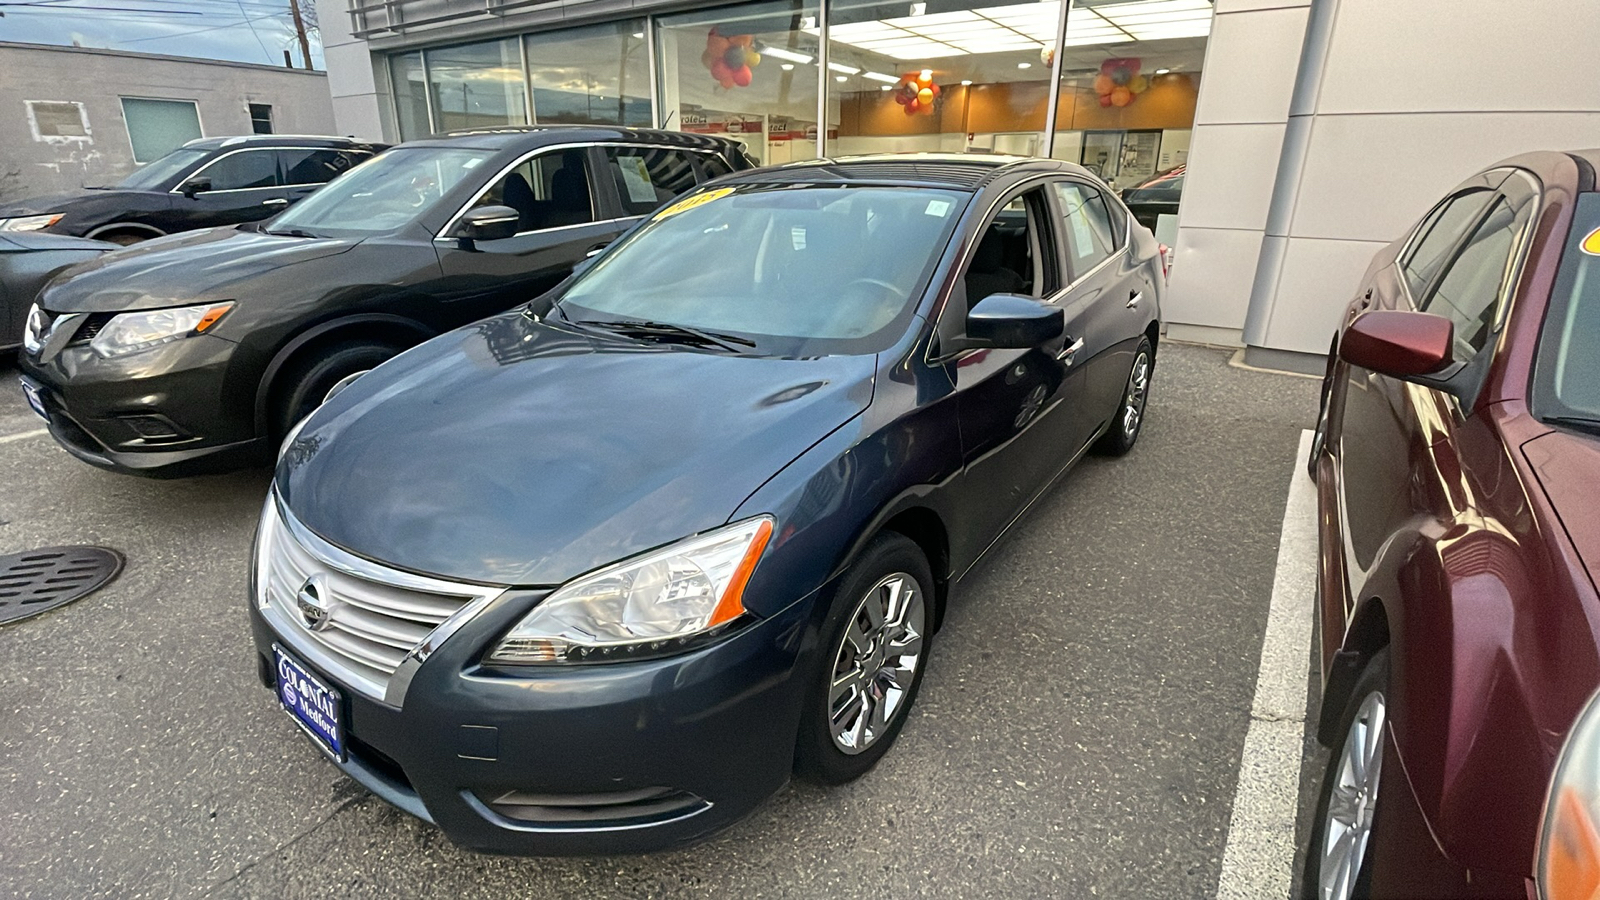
[(300, 32)]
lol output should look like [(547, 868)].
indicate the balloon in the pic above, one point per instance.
[(924, 82), (720, 71), (1102, 84), (1138, 84), (1047, 55), (752, 58), (1105, 99), (935, 89), (1108, 65), (901, 98), (727, 83), (925, 96), (911, 109), (717, 44), (1120, 75), (1121, 97), (744, 40), (741, 76)]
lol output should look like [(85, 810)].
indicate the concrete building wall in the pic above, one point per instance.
[(357, 80), (98, 79)]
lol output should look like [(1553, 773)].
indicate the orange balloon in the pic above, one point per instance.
[(1121, 97), (924, 82), (718, 44), (1102, 84), (743, 40)]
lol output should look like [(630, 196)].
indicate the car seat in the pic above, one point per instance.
[(988, 273)]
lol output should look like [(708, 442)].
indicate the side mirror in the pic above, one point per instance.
[(487, 223), (1400, 344), (1012, 321), (196, 185)]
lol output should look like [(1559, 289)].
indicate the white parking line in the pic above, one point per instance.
[(1259, 857), (23, 435)]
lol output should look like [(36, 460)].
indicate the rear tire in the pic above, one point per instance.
[(309, 380), (1344, 832), (1129, 419), (873, 652)]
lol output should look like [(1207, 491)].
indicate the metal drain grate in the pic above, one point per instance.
[(37, 580)]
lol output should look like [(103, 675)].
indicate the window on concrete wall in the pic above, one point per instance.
[(157, 127), (409, 79), (597, 75), (477, 85), (261, 118), (56, 120)]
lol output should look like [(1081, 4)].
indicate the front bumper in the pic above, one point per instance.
[(617, 757), (169, 411)]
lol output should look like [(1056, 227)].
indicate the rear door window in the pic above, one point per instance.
[(547, 191), (1473, 287), (243, 170), (648, 177), (1087, 226), (307, 166), (713, 166)]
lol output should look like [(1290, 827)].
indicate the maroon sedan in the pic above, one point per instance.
[(1457, 461)]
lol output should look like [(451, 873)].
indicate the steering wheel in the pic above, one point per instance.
[(846, 310)]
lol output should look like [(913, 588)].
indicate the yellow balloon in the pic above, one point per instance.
[(1138, 84), (752, 58)]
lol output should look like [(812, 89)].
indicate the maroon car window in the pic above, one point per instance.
[(1438, 234), (1567, 372), (1470, 290)]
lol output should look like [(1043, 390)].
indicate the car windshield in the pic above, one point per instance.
[(1567, 375), (801, 270), (387, 192), (153, 174)]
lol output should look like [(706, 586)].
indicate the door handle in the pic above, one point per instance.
[(1134, 298), (275, 201), (1069, 352)]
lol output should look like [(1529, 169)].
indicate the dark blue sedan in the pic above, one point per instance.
[(596, 575)]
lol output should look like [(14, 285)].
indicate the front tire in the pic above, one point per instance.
[(874, 650), (1129, 418), (310, 381), (1338, 861)]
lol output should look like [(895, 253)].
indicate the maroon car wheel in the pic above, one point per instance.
[(1338, 859)]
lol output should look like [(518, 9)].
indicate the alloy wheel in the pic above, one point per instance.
[(1352, 802), (876, 662), (1138, 392)]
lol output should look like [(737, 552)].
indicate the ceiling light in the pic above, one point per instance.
[(787, 67), (966, 82), (790, 55), (927, 74), (918, 9), (639, 35), (879, 76), (1024, 65), (848, 70), (841, 78), (1162, 71), (886, 87)]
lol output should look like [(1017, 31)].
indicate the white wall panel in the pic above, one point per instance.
[(1318, 279), (1251, 61), (349, 70), (358, 115), (1462, 55), (1371, 177), (1211, 275), (1228, 6), (1231, 172)]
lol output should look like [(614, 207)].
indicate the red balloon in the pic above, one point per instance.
[(901, 98), (935, 89), (720, 71), (1105, 99), (911, 108), (741, 76)]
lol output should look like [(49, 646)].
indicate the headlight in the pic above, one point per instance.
[(1569, 843), (33, 330), (30, 223), (135, 331), (651, 605)]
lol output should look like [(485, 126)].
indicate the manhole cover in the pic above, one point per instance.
[(36, 580)]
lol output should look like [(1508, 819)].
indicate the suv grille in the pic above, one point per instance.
[(355, 619)]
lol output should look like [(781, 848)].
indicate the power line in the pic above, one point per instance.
[(43, 7), (162, 37)]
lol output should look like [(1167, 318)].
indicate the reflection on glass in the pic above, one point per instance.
[(387, 192), (746, 72), (477, 85), (410, 95), (598, 75)]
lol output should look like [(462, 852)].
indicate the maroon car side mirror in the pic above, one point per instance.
[(1399, 343)]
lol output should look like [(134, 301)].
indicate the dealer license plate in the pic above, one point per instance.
[(36, 401), (315, 707)]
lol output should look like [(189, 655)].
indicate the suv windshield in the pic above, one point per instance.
[(151, 176), (1567, 375), (802, 270), (387, 192)]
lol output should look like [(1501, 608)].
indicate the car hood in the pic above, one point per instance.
[(182, 268), (48, 203), (41, 240), (1568, 467), (517, 452)]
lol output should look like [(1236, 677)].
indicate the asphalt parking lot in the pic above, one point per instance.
[(1079, 733)]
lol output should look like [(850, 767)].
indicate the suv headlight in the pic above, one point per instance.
[(651, 605), (1569, 842), (135, 331), (30, 223), (33, 330)]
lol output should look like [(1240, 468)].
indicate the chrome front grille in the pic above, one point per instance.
[(360, 622)]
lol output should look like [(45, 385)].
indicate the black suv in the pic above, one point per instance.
[(207, 182), (197, 352)]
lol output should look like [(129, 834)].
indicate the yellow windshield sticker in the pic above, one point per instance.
[(1591, 244), (689, 203)]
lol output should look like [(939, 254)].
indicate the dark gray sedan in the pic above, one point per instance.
[(27, 263)]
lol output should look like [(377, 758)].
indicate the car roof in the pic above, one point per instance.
[(968, 171), (531, 137), (1590, 156), (279, 140)]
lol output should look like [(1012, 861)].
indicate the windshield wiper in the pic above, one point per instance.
[(645, 328), (1581, 423)]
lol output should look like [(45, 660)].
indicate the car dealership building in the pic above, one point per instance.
[(1313, 131)]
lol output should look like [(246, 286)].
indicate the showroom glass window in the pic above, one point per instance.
[(745, 72), (591, 76), (477, 85), (410, 95)]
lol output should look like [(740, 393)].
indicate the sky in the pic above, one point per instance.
[(256, 31)]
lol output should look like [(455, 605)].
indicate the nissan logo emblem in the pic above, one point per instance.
[(315, 603)]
